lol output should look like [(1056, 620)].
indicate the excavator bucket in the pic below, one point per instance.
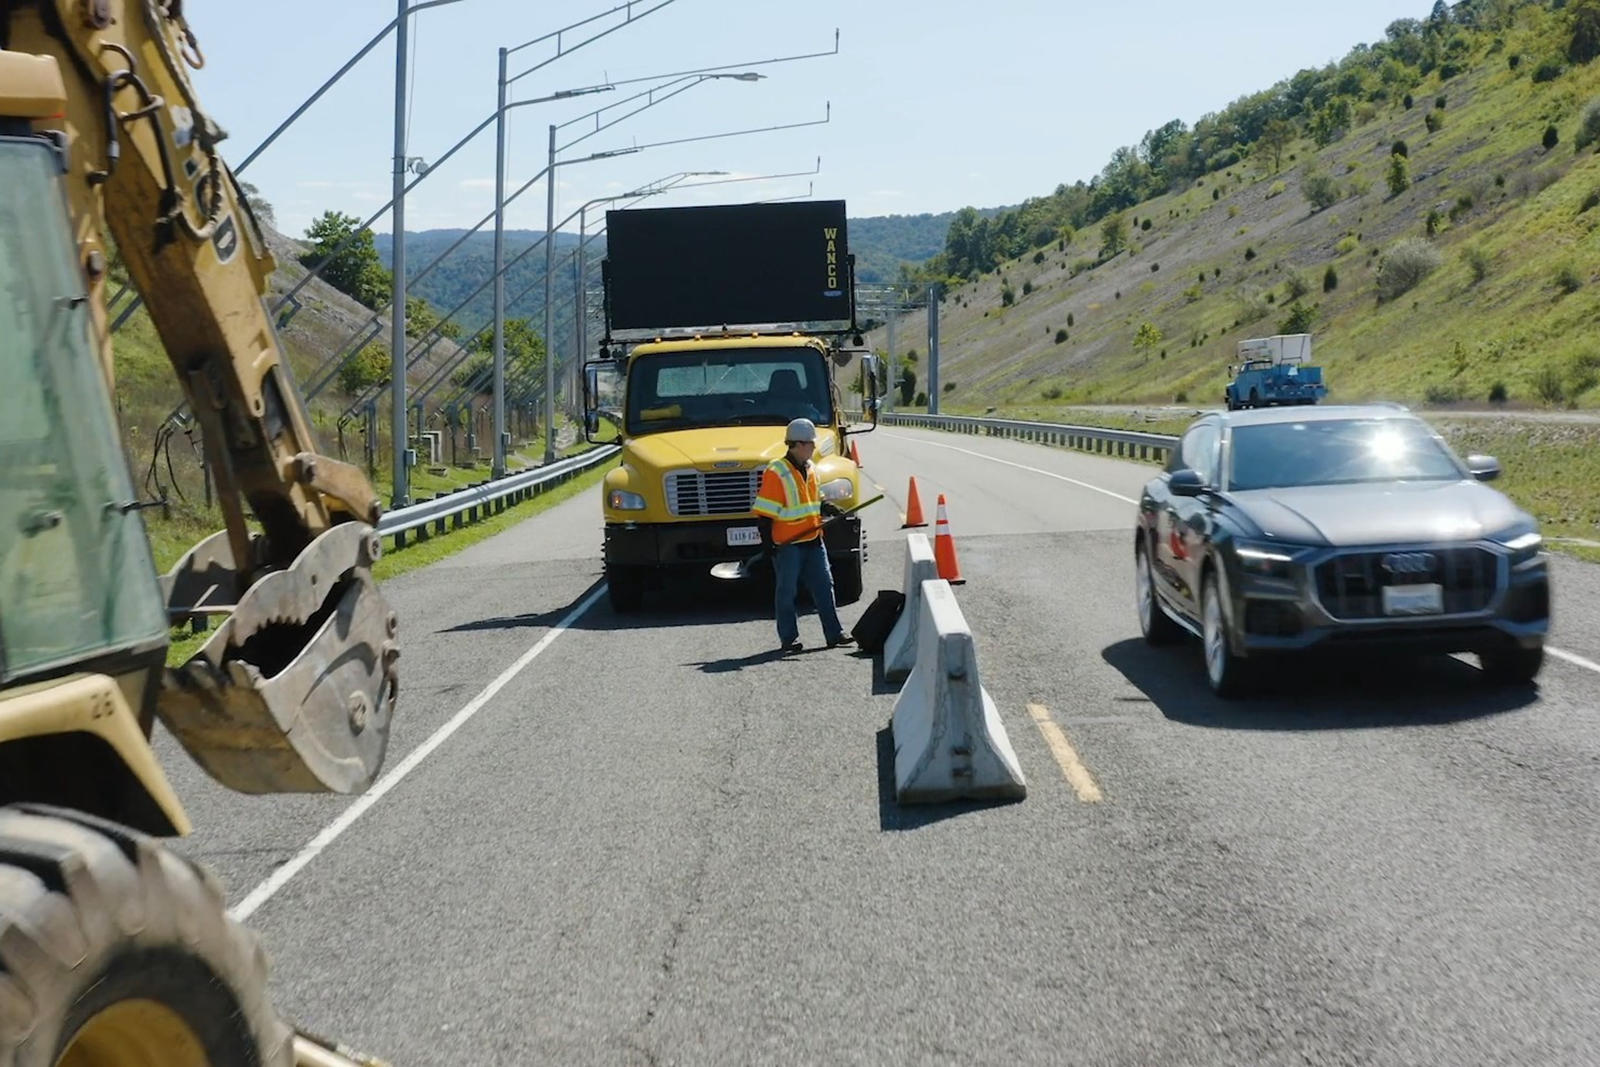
[(294, 691)]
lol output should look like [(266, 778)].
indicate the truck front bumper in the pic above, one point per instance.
[(673, 545)]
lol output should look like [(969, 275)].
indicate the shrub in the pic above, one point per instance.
[(1296, 287), (1398, 175), (1249, 254), (1497, 393), (1008, 296), (1191, 295), (369, 367), (1548, 385), (1070, 322), (1181, 396), (1346, 245), (1588, 128), (1404, 266), (1513, 61), (1053, 393), (1439, 103), (1081, 265), (1027, 287), (1321, 191), (1552, 137), (1276, 190), (1462, 207), (1549, 70), (1200, 278), (1144, 225), (1448, 393), (1216, 272), (922, 400), (1590, 201), (1567, 278), (1430, 224), (1477, 263), (1407, 101), (1399, 148), (1233, 211), (1154, 267), (1272, 298), (1299, 319), (1434, 121), (1061, 336), (1038, 258), (1330, 279), (947, 387), (1216, 194)]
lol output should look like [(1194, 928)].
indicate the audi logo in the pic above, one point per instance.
[(1410, 562)]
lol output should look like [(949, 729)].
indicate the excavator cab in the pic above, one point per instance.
[(77, 581)]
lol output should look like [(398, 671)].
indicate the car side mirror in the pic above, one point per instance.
[(1483, 468), (1186, 482)]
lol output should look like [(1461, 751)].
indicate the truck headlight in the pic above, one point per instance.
[(837, 489), (1523, 544), (622, 500)]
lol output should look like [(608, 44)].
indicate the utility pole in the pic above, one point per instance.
[(401, 494), (933, 350), (497, 467)]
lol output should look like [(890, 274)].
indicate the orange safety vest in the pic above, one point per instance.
[(794, 504)]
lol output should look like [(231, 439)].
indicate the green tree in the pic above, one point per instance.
[(1147, 338), (1398, 175), (1276, 135), (356, 269), (1321, 191), (258, 204), (1583, 27), (366, 368), (1301, 316), (1113, 235)]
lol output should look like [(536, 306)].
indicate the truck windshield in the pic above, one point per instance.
[(76, 578), (727, 387), (1336, 452)]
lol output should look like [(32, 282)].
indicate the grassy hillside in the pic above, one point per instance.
[(1511, 308)]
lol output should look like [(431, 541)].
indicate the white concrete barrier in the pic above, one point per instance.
[(900, 648), (949, 743)]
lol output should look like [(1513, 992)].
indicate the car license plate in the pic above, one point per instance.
[(1413, 599), (744, 535)]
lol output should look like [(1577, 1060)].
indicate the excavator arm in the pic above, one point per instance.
[(295, 689)]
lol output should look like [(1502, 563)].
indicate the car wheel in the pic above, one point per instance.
[(1255, 399), (1157, 628), (1227, 673), (1514, 666)]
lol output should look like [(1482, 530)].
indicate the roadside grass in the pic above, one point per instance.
[(418, 554)]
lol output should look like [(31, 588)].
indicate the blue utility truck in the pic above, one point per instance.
[(1274, 370)]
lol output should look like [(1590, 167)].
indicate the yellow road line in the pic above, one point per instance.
[(1072, 767)]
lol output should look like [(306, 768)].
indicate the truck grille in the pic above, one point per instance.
[(714, 493), (1351, 586)]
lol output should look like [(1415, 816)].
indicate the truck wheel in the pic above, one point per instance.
[(115, 952), (1514, 666), (1255, 399), (846, 578), (625, 587)]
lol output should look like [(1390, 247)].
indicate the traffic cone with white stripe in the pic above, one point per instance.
[(944, 548), (914, 516)]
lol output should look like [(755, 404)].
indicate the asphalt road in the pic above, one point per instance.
[(658, 843)]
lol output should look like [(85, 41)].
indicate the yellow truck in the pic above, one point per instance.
[(723, 323)]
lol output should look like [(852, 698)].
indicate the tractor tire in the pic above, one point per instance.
[(115, 952)]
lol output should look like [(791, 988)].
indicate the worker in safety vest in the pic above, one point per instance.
[(790, 509)]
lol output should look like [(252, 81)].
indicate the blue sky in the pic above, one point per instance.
[(934, 105)]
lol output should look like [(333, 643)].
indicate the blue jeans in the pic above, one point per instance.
[(806, 562)]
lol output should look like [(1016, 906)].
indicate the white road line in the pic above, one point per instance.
[(1019, 466), (1575, 660), (280, 877)]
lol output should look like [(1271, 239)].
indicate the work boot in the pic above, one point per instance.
[(842, 641), (789, 648)]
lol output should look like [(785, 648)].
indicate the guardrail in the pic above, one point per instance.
[(1127, 444), (469, 505)]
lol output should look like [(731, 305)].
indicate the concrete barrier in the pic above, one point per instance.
[(949, 743), (900, 647)]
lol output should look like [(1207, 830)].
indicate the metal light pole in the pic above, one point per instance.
[(400, 495), (549, 305), (497, 467), (933, 350)]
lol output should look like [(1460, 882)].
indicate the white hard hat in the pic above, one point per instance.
[(801, 430)]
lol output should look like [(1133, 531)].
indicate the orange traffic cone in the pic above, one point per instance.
[(944, 548), (914, 515), (855, 455)]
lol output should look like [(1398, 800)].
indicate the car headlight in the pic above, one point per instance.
[(1523, 543), (622, 500), (837, 489), (1268, 559)]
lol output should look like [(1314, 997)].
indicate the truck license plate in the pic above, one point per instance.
[(744, 535), (1413, 599)]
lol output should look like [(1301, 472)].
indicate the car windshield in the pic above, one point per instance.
[(727, 387), (1336, 452)]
